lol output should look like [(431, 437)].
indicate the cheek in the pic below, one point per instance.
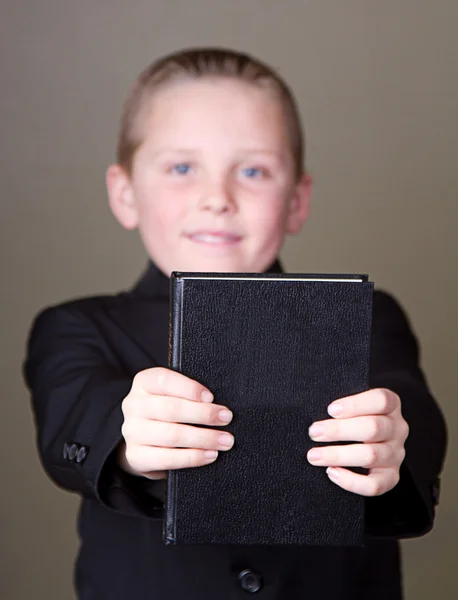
[(161, 216), (159, 210), (269, 214)]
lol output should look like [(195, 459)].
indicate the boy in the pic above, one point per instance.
[(209, 169)]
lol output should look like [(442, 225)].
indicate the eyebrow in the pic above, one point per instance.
[(241, 151), (175, 151)]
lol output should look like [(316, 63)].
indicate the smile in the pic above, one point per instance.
[(214, 238)]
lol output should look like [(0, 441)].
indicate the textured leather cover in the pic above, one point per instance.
[(276, 350)]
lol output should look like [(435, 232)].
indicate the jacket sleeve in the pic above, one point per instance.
[(409, 509), (77, 387)]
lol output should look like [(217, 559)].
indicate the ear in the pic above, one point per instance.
[(299, 205), (121, 197)]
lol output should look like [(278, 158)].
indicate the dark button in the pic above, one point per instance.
[(250, 581), (72, 452), (66, 448), (82, 453)]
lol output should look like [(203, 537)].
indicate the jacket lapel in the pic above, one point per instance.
[(143, 313)]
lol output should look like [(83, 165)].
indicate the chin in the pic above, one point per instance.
[(211, 267), (217, 265)]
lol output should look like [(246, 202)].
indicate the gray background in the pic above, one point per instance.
[(377, 84)]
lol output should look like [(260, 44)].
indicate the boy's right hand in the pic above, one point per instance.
[(159, 413)]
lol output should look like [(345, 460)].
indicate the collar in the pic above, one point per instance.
[(155, 284)]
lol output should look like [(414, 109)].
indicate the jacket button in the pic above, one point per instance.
[(250, 581), (82, 453), (72, 452), (65, 452)]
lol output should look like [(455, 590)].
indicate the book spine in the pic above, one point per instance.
[(368, 287), (174, 362)]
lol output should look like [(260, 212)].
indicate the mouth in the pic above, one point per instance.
[(214, 238)]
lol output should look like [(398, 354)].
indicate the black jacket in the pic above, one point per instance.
[(82, 357)]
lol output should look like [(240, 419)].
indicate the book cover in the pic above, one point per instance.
[(276, 349)]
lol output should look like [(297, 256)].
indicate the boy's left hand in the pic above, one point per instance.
[(373, 418)]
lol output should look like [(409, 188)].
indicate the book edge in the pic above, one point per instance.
[(174, 361)]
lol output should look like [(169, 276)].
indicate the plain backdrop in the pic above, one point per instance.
[(377, 84)]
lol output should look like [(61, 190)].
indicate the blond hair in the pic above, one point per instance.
[(194, 64)]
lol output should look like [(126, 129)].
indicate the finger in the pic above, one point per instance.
[(373, 428), (354, 455), (146, 459), (165, 382), (155, 475), (373, 402), (179, 410), (376, 483), (172, 435)]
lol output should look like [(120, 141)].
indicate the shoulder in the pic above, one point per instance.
[(74, 333), (79, 315), (88, 305), (387, 311), (393, 339), (385, 301)]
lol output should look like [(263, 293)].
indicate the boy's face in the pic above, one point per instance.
[(212, 185)]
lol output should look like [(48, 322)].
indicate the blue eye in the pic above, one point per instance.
[(181, 168), (252, 172)]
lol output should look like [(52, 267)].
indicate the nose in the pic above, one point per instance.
[(217, 197)]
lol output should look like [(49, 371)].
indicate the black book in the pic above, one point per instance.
[(276, 349)]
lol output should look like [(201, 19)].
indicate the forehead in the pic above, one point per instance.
[(215, 110)]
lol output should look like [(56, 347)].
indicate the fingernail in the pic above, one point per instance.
[(316, 431), (225, 439), (335, 410), (332, 473), (314, 455), (225, 415), (210, 454), (206, 396)]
